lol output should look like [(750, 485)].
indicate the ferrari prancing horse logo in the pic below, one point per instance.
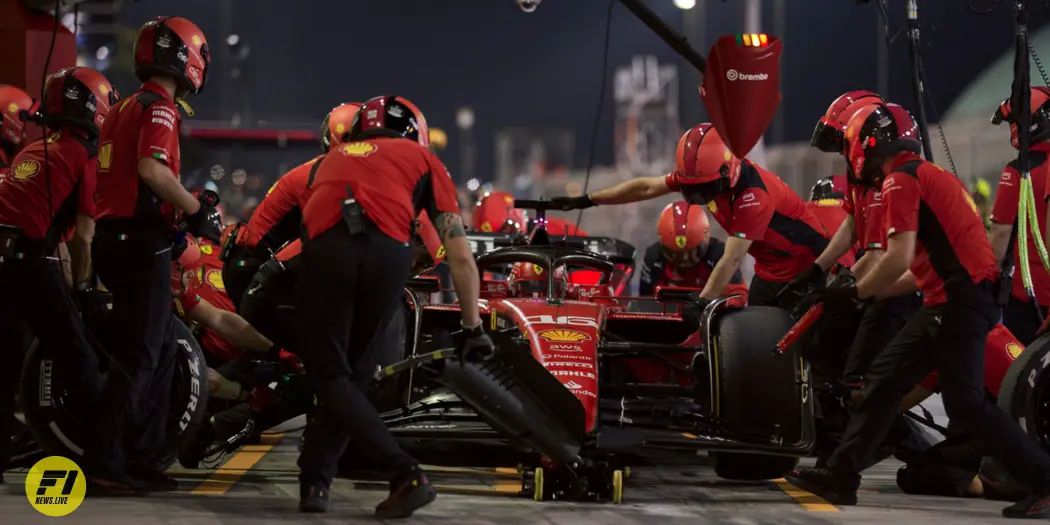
[(680, 241)]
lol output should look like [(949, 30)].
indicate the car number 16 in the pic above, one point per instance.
[(562, 320)]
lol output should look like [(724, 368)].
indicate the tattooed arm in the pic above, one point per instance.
[(461, 264)]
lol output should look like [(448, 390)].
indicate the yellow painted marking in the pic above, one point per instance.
[(226, 476), (809, 501), (474, 471)]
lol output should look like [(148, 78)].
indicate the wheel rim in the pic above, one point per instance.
[(537, 485), (1041, 393), (617, 486)]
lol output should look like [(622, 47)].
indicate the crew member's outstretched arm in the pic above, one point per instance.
[(634, 190)]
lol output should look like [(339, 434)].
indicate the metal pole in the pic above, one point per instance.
[(916, 78), (780, 26), (882, 60), (753, 24)]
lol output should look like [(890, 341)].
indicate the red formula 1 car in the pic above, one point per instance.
[(585, 386)]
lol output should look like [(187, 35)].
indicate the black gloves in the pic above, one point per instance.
[(203, 222), (692, 311), (573, 203), (474, 345), (93, 305), (842, 291), (806, 283)]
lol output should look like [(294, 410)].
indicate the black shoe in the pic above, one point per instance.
[(998, 484), (1036, 507), (192, 448), (408, 493), (154, 480), (837, 490), (313, 498)]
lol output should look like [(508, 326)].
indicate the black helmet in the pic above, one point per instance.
[(390, 116), (833, 187)]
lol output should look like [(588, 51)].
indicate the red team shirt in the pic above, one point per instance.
[(145, 125), (1004, 211), (787, 238), (921, 197), (865, 205), (24, 191), (279, 215), (830, 213), (392, 178), (203, 282)]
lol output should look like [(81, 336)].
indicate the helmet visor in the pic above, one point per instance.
[(827, 138)]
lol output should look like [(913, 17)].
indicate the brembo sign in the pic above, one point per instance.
[(733, 75)]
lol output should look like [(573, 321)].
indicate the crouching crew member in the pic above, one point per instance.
[(354, 264), (45, 200), (276, 220), (761, 214), (686, 254), (1019, 314), (138, 199), (934, 228)]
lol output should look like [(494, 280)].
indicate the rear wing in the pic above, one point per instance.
[(616, 250)]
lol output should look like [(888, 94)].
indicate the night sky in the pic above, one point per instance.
[(542, 69)]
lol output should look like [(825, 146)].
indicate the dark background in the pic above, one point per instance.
[(543, 69)]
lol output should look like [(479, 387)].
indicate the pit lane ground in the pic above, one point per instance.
[(258, 486)]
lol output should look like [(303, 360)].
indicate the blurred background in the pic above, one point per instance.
[(516, 95)]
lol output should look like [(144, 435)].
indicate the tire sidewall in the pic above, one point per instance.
[(58, 435), (1017, 394)]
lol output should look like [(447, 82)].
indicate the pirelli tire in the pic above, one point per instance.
[(1025, 392), (759, 393), (59, 432)]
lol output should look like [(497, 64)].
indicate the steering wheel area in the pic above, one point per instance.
[(550, 258)]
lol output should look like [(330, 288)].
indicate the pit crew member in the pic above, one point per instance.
[(354, 264), (686, 254), (934, 228), (1019, 314), (863, 225), (953, 467), (762, 215), (495, 213), (14, 109), (137, 199), (46, 200), (276, 220)]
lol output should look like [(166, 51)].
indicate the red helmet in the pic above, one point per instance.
[(78, 96), (875, 133), (175, 47), (14, 108), (828, 135), (530, 280), (390, 116), (833, 187), (337, 123), (1040, 106), (705, 165), (683, 227), (496, 213)]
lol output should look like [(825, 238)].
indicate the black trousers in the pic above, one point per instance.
[(132, 416), (35, 293), (763, 292), (949, 338), (880, 323), (348, 287), (271, 309), (1020, 318), (238, 271)]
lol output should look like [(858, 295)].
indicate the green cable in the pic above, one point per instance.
[(1022, 233), (1033, 221)]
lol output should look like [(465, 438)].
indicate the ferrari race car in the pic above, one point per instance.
[(584, 385)]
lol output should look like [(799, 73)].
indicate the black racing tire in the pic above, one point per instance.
[(759, 393), (1025, 392), (61, 433)]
